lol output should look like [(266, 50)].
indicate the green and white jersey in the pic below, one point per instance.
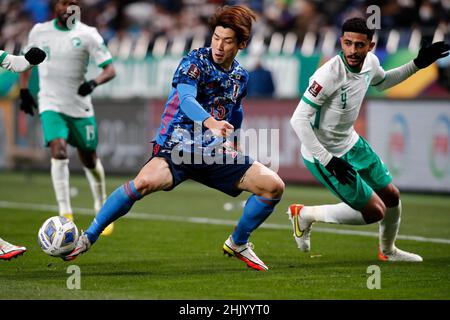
[(60, 75), (336, 91)]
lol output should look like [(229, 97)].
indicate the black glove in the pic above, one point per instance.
[(430, 53), (342, 170), (35, 56), (87, 87), (27, 103)]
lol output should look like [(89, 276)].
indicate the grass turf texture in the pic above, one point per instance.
[(157, 259)]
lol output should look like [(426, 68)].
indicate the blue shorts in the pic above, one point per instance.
[(223, 176)]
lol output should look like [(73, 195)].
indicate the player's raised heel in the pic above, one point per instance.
[(301, 228), (245, 253)]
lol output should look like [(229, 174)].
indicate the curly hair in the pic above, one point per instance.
[(358, 25)]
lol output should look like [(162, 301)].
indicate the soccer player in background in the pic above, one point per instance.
[(33, 57), (207, 91), (65, 106), (336, 155)]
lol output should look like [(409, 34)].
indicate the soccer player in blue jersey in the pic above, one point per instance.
[(207, 92)]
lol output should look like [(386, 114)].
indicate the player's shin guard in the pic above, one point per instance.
[(117, 205), (389, 228), (60, 179), (256, 211), (96, 178)]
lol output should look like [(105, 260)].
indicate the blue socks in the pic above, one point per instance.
[(117, 205), (256, 211)]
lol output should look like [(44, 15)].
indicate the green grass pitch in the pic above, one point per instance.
[(169, 247)]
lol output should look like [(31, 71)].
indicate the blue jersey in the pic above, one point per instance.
[(219, 92)]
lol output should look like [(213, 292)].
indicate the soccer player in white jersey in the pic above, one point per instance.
[(14, 63), (336, 155), (65, 105)]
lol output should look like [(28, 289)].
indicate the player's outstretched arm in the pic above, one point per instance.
[(430, 53), (22, 63), (108, 73), (427, 55)]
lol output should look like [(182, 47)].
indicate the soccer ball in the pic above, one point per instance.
[(58, 236)]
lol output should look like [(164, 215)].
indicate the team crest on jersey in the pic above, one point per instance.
[(76, 42), (315, 88), (193, 72)]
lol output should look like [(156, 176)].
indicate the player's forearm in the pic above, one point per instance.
[(15, 63), (189, 104), (24, 78), (301, 123), (397, 75), (108, 73)]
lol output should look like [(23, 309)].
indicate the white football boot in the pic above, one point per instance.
[(399, 255), (245, 253), (9, 251), (83, 245), (301, 227)]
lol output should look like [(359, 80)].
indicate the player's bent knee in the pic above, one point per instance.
[(275, 188), (374, 213), (60, 154), (144, 185), (393, 199)]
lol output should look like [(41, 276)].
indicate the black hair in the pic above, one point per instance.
[(357, 25)]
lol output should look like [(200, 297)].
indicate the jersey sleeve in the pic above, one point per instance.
[(321, 86), (32, 39), (379, 73), (98, 50), (189, 71)]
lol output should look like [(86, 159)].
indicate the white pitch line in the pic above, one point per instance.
[(201, 220)]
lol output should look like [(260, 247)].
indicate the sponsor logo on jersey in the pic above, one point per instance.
[(315, 88), (193, 72)]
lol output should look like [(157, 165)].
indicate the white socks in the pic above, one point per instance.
[(340, 213), (60, 179), (96, 178), (389, 228)]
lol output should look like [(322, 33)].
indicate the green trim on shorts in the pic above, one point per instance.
[(81, 133)]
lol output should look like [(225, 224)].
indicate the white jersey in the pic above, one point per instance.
[(13, 63), (64, 69), (337, 91)]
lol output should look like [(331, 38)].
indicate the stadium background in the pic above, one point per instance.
[(169, 246), (408, 125), (290, 40)]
